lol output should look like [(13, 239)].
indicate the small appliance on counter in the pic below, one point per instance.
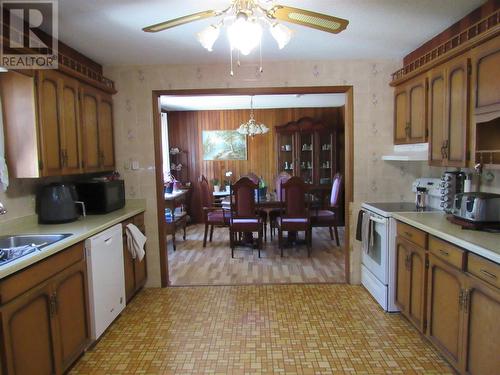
[(477, 208), (57, 203), (451, 183), (101, 195)]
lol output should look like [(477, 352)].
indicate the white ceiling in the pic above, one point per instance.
[(109, 31), (216, 102)]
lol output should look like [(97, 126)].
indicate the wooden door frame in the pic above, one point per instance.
[(349, 152)]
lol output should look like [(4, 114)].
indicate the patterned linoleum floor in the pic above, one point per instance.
[(266, 329), (192, 264)]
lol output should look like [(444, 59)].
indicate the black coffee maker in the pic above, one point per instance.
[(57, 203)]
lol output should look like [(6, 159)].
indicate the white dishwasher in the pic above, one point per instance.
[(106, 278)]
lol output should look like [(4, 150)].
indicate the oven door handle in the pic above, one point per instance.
[(377, 220)]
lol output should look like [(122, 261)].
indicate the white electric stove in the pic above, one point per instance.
[(378, 268)]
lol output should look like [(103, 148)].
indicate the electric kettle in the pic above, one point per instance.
[(56, 204)]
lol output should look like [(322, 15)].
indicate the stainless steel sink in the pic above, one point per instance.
[(14, 247)]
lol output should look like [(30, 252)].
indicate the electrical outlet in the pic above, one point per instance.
[(135, 165)]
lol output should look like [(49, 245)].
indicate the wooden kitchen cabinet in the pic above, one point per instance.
[(135, 270), (448, 115), (46, 327), (481, 329), (446, 285), (97, 130), (90, 128), (106, 143), (410, 111), (71, 315), (411, 281), (29, 333), (55, 125), (485, 73), (51, 128)]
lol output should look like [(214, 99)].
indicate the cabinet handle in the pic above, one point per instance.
[(488, 274), (53, 304), (443, 252), (446, 145), (461, 299), (408, 234), (466, 300)]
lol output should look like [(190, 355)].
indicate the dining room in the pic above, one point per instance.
[(254, 188)]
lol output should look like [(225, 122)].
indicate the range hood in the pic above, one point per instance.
[(413, 152)]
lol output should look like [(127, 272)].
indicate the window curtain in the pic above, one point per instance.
[(4, 174), (165, 146)]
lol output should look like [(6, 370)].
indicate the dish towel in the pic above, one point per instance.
[(135, 241), (366, 234), (4, 175), (359, 225)]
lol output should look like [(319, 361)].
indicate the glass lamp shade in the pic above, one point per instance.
[(208, 36), (252, 128), (244, 35), (281, 34)]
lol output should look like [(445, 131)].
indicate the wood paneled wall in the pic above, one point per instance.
[(185, 132)]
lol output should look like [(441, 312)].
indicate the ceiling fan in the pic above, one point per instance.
[(245, 19)]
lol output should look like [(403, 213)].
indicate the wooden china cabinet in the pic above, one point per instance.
[(309, 149)]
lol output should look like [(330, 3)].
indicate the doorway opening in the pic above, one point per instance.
[(185, 119)]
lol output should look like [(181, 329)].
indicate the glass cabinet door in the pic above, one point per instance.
[(326, 165), (286, 152), (306, 159)]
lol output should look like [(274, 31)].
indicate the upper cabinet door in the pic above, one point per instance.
[(106, 144), (410, 111), (49, 123), (90, 129), (486, 70), (70, 118), (437, 116), (401, 129), (417, 97), (457, 112)]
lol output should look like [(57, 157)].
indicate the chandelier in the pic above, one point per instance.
[(245, 21), (252, 127)]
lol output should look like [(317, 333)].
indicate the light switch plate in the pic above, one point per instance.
[(135, 165)]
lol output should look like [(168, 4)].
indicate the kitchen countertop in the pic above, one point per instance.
[(481, 243), (80, 230)]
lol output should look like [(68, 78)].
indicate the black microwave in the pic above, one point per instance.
[(101, 197)]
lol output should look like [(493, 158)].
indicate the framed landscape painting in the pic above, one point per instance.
[(224, 145)]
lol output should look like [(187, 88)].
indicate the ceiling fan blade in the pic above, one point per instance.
[(180, 21), (307, 18)]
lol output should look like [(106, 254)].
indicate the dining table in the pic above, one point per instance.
[(314, 197)]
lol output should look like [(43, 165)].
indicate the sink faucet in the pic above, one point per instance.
[(3, 211)]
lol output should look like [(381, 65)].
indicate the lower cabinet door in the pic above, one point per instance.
[(28, 333), (71, 307), (402, 280), (482, 312), (140, 269), (128, 264), (417, 279), (444, 311)]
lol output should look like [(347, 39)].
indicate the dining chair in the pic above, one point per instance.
[(296, 214), (263, 213), (244, 218), (276, 212), (212, 215), (329, 217)]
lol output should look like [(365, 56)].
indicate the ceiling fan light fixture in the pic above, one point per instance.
[(281, 34), (208, 36), (244, 34)]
